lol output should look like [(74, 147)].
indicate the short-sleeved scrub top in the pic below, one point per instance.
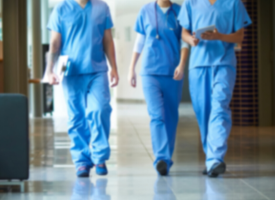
[(160, 56), (82, 31), (228, 16)]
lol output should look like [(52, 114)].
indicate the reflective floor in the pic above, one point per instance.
[(250, 161)]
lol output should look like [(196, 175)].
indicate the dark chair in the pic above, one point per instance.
[(14, 137)]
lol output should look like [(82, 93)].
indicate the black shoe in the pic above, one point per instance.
[(162, 168), (216, 170), (204, 172)]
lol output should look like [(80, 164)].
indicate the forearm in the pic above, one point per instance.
[(134, 61), (52, 57), (233, 38), (183, 58), (186, 36), (110, 53), (54, 51)]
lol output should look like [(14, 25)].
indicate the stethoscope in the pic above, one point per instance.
[(156, 15)]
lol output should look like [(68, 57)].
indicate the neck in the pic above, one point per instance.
[(82, 2), (212, 1), (164, 3)]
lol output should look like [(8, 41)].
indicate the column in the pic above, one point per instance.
[(14, 48), (44, 21), (37, 71)]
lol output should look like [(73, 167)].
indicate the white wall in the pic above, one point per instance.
[(124, 50)]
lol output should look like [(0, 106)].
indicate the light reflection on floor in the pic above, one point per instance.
[(250, 176)]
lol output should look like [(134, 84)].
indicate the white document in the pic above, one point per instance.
[(60, 69), (203, 30)]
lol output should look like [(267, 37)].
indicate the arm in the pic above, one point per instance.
[(236, 37), (188, 38), (179, 72), (140, 42), (109, 49), (132, 71), (55, 44)]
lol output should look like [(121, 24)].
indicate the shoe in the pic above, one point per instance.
[(204, 172), (162, 168), (101, 169), (83, 172), (216, 170)]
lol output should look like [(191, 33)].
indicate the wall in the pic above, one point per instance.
[(124, 50), (265, 52), (244, 104)]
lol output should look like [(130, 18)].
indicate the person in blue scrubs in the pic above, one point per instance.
[(212, 73), (81, 29), (164, 58)]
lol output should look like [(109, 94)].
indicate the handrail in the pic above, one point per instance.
[(35, 81)]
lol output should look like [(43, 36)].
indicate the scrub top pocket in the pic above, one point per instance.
[(153, 49), (171, 23)]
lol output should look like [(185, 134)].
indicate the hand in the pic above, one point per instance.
[(132, 78), (114, 78), (53, 78), (215, 35), (179, 73), (193, 40)]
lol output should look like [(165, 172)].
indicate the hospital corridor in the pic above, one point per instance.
[(250, 161), (137, 100)]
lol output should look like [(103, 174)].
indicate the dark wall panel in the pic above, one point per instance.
[(244, 104)]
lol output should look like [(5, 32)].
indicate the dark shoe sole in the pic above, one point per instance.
[(102, 174), (84, 175), (204, 172), (162, 168), (217, 170), (99, 171)]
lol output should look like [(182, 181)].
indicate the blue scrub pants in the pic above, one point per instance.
[(88, 104), (211, 90), (163, 95)]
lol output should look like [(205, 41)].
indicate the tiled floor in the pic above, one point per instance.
[(250, 160)]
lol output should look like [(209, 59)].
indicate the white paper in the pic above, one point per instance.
[(203, 30), (58, 69)]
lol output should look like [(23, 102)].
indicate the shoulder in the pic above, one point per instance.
[(62, 7), (176, 7), (230, 4), (100, 3), (100, 6), (237, 2), (187, 1), (147, 7), (192, 2)]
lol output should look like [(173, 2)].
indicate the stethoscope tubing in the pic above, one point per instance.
[(156, 16)]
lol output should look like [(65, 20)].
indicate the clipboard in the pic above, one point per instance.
[(60, 68)]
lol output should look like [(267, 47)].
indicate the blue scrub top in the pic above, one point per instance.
[(228, 16), (82, 32), (160, 56)]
